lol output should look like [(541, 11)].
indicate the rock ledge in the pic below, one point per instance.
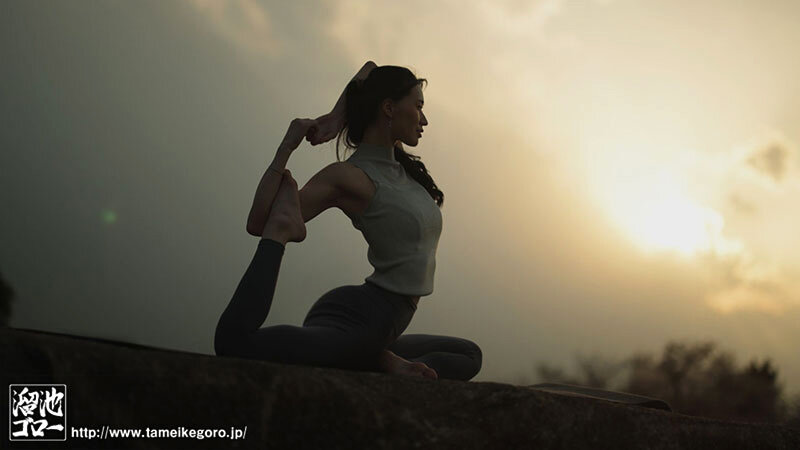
[(283, 406)]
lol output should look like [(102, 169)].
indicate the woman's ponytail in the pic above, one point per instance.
[(355, 120)]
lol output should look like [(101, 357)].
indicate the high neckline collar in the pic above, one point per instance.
[(375, 151)]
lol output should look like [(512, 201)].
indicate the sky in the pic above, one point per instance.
[(617, 173)]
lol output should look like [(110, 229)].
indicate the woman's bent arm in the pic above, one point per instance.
[(271, 181), (266, 191)]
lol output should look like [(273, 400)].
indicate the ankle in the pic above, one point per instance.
[(276, 236), (386, 359)]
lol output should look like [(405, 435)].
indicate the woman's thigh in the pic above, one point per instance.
[(308, 345), (361, 314)]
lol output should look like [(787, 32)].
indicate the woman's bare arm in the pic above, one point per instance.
[(271, 180), (265, 192), (330, 124), (339, 107)]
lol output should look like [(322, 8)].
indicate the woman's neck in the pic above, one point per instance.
[(376, 150)]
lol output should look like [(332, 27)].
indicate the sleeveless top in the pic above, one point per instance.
[(401, 225)]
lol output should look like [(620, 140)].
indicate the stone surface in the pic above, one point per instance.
[(283, 406)]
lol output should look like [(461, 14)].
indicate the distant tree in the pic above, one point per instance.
[(681, 365), (759, 392), (593, 371), (695, 379), (598, 372), (6, 294), (552, 374)]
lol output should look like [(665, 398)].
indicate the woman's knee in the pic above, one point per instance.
[(229, 337), (467, 348), (227, 343), (474, 352)]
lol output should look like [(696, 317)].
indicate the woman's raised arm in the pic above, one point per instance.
[(338, 108), (329, 124)]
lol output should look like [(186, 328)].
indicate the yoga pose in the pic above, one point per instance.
[(390, 197)]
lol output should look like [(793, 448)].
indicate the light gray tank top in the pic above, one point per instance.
[(402, 224)]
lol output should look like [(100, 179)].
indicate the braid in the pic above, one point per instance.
[(415, 168)]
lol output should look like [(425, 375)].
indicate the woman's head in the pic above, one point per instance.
[(387, 107)]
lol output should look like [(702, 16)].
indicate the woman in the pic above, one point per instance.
[(391, 199)]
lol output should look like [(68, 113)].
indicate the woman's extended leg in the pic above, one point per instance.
[(238, 332), (451, 357)]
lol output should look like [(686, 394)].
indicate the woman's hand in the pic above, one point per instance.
[(327, 127), (298, 129)]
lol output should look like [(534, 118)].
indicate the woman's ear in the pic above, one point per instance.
[(388, 107)]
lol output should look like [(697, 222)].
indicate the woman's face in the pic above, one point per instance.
[(408, 119)]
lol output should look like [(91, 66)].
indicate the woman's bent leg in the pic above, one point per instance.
[(451, 357)]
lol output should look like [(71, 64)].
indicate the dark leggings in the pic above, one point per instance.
[(347, 328)]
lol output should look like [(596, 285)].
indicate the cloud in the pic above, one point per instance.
[(772, 159), (245, 23), (767, 161), (761, 187), (501, 56), (752, 283), (523, 16), (740, 204)]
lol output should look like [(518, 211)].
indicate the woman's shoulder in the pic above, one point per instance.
[(351, 180)]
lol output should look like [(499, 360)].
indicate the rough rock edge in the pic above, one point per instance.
[(284, 406)]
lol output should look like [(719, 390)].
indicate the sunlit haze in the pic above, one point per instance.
[(616, 173)]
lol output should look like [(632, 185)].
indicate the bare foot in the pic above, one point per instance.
[(285, 221), (391, 363)]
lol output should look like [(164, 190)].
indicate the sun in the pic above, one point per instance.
[(654, 210), (671, 223)]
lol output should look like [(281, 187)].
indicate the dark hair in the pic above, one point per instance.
[(362, 99)]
